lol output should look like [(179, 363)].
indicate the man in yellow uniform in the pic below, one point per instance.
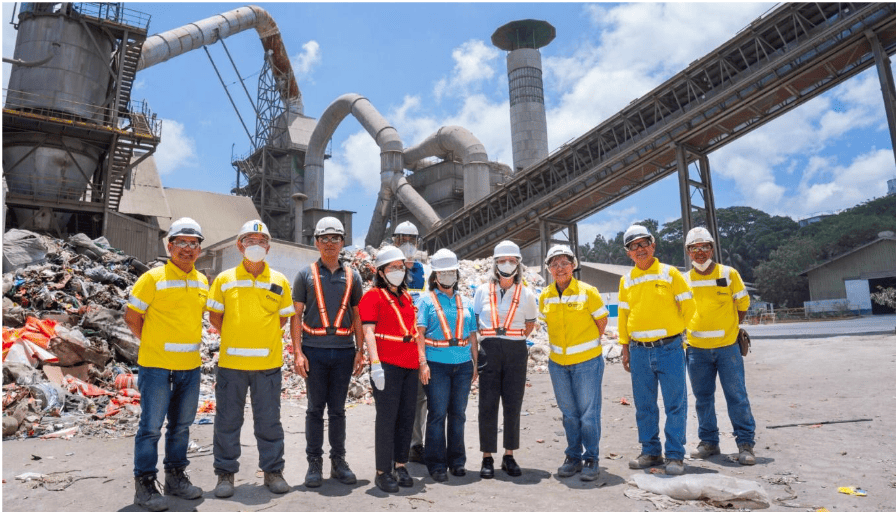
[(655, 305), (249, 304), (722, 303), (164, 312), (576, 319)]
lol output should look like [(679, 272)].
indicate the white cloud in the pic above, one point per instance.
[(177, 150), (305, 62), (356, 163), (847, 186), (473, 64)]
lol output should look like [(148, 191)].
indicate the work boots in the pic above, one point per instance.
[(224, 489), (275, 482), (340, 471), (314, 477), (147, 493), (177, 484), (705, 450), (745, 455)]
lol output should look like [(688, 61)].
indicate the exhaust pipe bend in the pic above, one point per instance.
[(166, 45), (449, 143)]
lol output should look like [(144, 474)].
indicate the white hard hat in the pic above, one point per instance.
[(507, 248), (388, 254), (254, 226), (406, 228), (635, 232), (557, 250), (185, 226), (698, 235), (329, 226), (443, 259)]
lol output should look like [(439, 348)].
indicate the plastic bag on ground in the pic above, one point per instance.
[(719, 490)]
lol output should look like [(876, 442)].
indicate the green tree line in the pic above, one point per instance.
[(769, 251)]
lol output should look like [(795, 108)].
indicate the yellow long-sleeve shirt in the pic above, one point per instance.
[(719, 295), (653, 303)]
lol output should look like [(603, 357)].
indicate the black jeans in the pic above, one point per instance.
[(329, 375), (394, 416), (502, 380)]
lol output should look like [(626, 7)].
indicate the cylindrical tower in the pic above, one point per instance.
[(528, 124)]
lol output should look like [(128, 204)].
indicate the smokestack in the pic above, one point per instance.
[(528, 124)]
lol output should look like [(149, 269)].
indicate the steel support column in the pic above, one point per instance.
[(703, 187), (885, 74), (547, 227)]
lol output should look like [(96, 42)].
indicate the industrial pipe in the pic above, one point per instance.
[(391, 164), (161, 47), (452, 142), (35, 63)]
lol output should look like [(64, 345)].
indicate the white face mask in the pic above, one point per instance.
[(447, 278), (255, 253), (507, 269), (702, 266), (409, 250), (395, 277)]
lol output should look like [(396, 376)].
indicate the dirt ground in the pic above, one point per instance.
[(792, 381)]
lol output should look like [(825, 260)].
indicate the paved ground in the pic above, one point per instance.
[(864, 325)]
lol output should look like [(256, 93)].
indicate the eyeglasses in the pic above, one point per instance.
[(557, 265), (332, 239), (399, 266), (185, 245), (699, 248), (405, 239), (638, 245), (254, 241)]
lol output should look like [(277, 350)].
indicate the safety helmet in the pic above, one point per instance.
[(698, 235), (329, 226), (635, 232), (254, 226), (185, 226), (388, 254), (442, 260), (557, 250), (406, 228), (507, 248)]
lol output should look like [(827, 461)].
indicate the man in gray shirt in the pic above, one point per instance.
[(327, 340)]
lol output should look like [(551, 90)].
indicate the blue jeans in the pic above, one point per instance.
[(264, 387), (171, 393), (446, 395), (577, 388), (329, 375), (663, 366), (703, 366)]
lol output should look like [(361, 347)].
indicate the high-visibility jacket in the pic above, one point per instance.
[(173, 302), (329, 328), (502, 329), (653, 304), (251, 335), (570, 317), (408, 335), (719, 296), (493, 306), (449, 339)]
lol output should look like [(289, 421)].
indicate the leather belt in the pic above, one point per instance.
[(658, 343)]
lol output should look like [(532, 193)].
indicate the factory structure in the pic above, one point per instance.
[(78, 150)]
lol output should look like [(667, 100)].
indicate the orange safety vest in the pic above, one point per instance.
[(409, 335), (322, 306), (458, 340), (503, 330)]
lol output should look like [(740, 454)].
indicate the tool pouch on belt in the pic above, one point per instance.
[(743, 339)]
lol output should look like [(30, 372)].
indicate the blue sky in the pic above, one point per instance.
[(424, 66)]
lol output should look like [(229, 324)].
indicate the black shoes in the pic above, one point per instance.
[(314, 477), (404, 479), (509, 465), (488, 468), (459, 471), (178, 484), (416, 454), (340, 471), (439, 475), (386, 482)]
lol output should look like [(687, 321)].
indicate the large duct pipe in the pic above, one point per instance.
[(164, 46), (451, 142), (391, 163)]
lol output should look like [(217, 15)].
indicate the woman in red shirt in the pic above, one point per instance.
[(397, 360)]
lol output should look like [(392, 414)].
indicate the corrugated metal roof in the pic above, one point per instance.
[(847, 253), (145, 195), (220, 215)]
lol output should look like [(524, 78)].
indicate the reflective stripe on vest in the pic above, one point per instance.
[(504, 330), (458, 340), (708, 334), (643, 335), (576, 349), (322, 307), (181, 347), (248, 352), (408, 336)]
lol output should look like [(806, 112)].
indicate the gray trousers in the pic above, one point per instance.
[(230, 394), (419, 417)]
